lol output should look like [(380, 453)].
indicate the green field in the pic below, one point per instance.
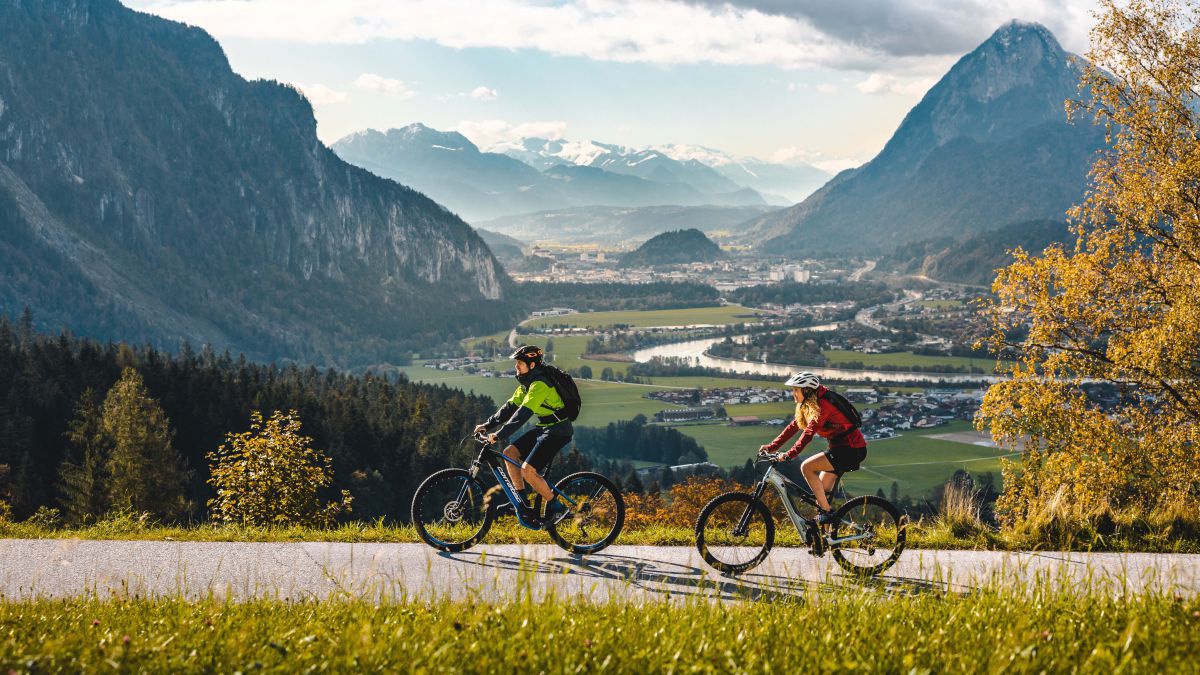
[(718, 316), (768, 625), (691, 382), (501, 337), (905, 360), (915, 461), (605, 402)]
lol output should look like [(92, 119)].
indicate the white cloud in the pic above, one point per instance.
[(880, 83), (484, 94), (823, 88), (793, 155), (925, 27), (383, 85), (319, 94), (488, 134), (653, 31)]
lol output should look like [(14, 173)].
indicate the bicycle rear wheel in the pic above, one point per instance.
[(734, 532), (449, 512), (594, 519), (868, 536)]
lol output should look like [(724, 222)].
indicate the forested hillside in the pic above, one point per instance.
[(149, 193)]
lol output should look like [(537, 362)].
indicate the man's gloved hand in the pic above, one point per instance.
[(781, 456), (480, 428), (493, 439)]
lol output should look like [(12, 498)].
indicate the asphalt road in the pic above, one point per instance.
[(58, 568)]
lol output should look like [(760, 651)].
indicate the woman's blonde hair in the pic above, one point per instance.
[(807, 410)]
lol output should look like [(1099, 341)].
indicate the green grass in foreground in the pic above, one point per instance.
[(716, 316), (846, 628)]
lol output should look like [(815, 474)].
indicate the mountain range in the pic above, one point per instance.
[(988, 145), (614, 225), (537, 174), (147, 192)]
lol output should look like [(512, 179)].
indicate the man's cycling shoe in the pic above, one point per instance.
[(825, 518), (556, 512)]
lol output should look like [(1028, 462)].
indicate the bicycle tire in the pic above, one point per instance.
[(419, 518), (751, 503), (898, 520), (618, 525)]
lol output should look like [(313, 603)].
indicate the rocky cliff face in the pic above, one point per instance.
[(148, 192), (988, 145)]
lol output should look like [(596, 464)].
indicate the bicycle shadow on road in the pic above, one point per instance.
[(678, 580)]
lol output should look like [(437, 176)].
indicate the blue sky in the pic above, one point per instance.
[(799, 79)]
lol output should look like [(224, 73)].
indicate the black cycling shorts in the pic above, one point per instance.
[(538, 446), (845, 458)]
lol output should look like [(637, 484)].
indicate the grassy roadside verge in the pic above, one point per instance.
[(847, 629), (939, 534)]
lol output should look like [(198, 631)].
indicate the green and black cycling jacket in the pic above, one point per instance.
[(533, 396)]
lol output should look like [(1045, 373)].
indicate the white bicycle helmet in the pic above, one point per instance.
[(804, 380)]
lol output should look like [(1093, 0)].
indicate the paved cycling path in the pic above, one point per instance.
[(57, 568)]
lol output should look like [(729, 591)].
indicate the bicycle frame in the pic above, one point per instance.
[(781, 484), (492, 458)]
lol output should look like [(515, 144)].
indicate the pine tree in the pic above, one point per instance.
[(146, 473), (81, 478), (25, 328), (633, 483)]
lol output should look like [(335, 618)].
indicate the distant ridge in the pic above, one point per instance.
[(486, 185), (988, 145)]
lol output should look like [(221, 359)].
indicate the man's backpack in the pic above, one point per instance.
[(567, 390), (845, 407)]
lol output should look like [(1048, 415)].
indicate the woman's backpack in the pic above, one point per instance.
[(845, 407)]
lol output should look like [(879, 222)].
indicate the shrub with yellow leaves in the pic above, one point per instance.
[(271, 475)]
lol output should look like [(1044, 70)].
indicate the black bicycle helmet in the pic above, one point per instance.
[(530, 354)]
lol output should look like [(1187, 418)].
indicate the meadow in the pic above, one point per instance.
[(916, 627), (605, 401)]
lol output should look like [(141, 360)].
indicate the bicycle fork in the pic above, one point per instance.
[(744, 524)]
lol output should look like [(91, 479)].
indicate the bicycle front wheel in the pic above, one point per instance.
[(868, 536), (596, 513), (734, 532), (449, 510)]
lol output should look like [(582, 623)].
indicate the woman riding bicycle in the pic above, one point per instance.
[(817, 415)]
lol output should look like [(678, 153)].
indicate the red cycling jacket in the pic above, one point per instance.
[(830, 424)]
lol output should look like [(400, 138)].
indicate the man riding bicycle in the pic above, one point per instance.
[(817, 415), (535, 395)]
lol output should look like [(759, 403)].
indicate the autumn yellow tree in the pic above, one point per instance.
[(272, 475), (1122, 305)]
